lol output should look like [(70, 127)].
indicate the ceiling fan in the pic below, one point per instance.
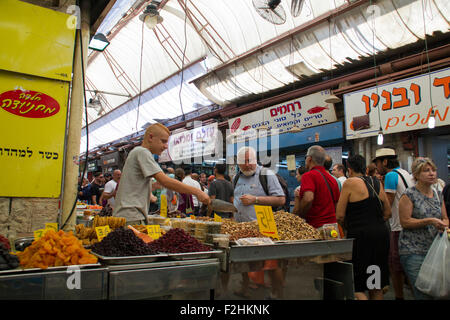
[(271, 10), (296, 7)]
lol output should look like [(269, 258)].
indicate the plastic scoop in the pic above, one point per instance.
[(145, 237)]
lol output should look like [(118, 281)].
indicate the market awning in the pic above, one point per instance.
[(233, 52)]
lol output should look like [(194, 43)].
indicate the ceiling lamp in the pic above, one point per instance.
[(151, 16), (99, 42), (431, 120), (333, 99)]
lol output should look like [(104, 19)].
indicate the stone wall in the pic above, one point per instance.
[(19, 217)]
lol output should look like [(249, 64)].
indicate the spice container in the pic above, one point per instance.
[(159, 220), (191, 226), (214, 227), (329, 231), (201, 229), (221, 240)]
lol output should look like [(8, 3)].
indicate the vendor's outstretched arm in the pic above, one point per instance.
[(180, 187)]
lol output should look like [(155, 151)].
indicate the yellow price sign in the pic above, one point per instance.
[(266, 221), (163, 209), (39, 233), (102, 232), (217, 218), (154, 231), (52, 225)]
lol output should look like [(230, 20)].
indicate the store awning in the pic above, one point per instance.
[(234, 53)]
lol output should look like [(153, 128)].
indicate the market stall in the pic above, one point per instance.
[(105, 259)]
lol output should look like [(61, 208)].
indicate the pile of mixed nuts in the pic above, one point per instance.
[(289, 226)]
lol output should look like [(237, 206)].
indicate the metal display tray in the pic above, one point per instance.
[(194, 255), (130, 259), (49, 269)]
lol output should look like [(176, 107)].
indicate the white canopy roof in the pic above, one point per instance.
[(214, 33)]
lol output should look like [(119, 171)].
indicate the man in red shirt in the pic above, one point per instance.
[(319, 191)]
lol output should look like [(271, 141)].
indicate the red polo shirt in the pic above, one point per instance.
[(322, 210)]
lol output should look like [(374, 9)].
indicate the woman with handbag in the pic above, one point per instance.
[(422, 215), (362, 209)]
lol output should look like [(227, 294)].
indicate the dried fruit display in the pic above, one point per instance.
[(112, 222), (55, 249), (122, 242), (87, 235), (5, 241), (178, 241), (7, 261)]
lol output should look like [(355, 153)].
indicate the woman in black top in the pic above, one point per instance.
[(362, 209)]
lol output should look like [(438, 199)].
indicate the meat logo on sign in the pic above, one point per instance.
[(316, 109), (235, 125), (29, 104)]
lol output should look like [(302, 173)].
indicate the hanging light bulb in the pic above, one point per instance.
[(431, 120), (380, 137)]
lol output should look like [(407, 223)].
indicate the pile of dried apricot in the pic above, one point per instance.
[(55, 249)]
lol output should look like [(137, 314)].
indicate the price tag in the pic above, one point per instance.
[(102, 232), (192, 217), (52, 225), (154, 231), (163, 209), (217, 218), (266, 221), (39, 233)]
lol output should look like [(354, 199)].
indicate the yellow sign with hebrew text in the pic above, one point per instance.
[(33, 115)]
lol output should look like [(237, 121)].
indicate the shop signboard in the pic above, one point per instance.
[(35, 73), (198, 142), (110, 160), (33, 115), (398, 106), (305, 112)]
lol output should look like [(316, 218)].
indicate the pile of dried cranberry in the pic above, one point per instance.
[(178, 241)]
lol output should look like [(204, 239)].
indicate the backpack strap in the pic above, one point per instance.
[(403, 179), (329, 188), (263, 180)]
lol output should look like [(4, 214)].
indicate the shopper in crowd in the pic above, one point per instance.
[(248, 192), (94, 189), (108, 177), (298, 175), (327, 165), (133, 199), (446, 196), (339, 172), (204, 182), (422, 215), (372, 171), (185, 201), (155, 197), (319, 191), (193, 183), (83, 189), (396, 181), (211, 179), (109, 193), (221, 189), (362, 209)]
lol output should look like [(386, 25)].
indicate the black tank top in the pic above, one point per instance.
[(367, 212)]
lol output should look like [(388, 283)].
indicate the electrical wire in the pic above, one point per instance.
[(87, 128), (182, 61), (375, 64)]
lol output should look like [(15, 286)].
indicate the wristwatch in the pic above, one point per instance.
[(256, 200)]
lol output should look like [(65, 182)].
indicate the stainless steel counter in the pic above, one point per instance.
[(149, 280), (54, 284)]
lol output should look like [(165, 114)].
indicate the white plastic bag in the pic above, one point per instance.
[(434, 274)]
